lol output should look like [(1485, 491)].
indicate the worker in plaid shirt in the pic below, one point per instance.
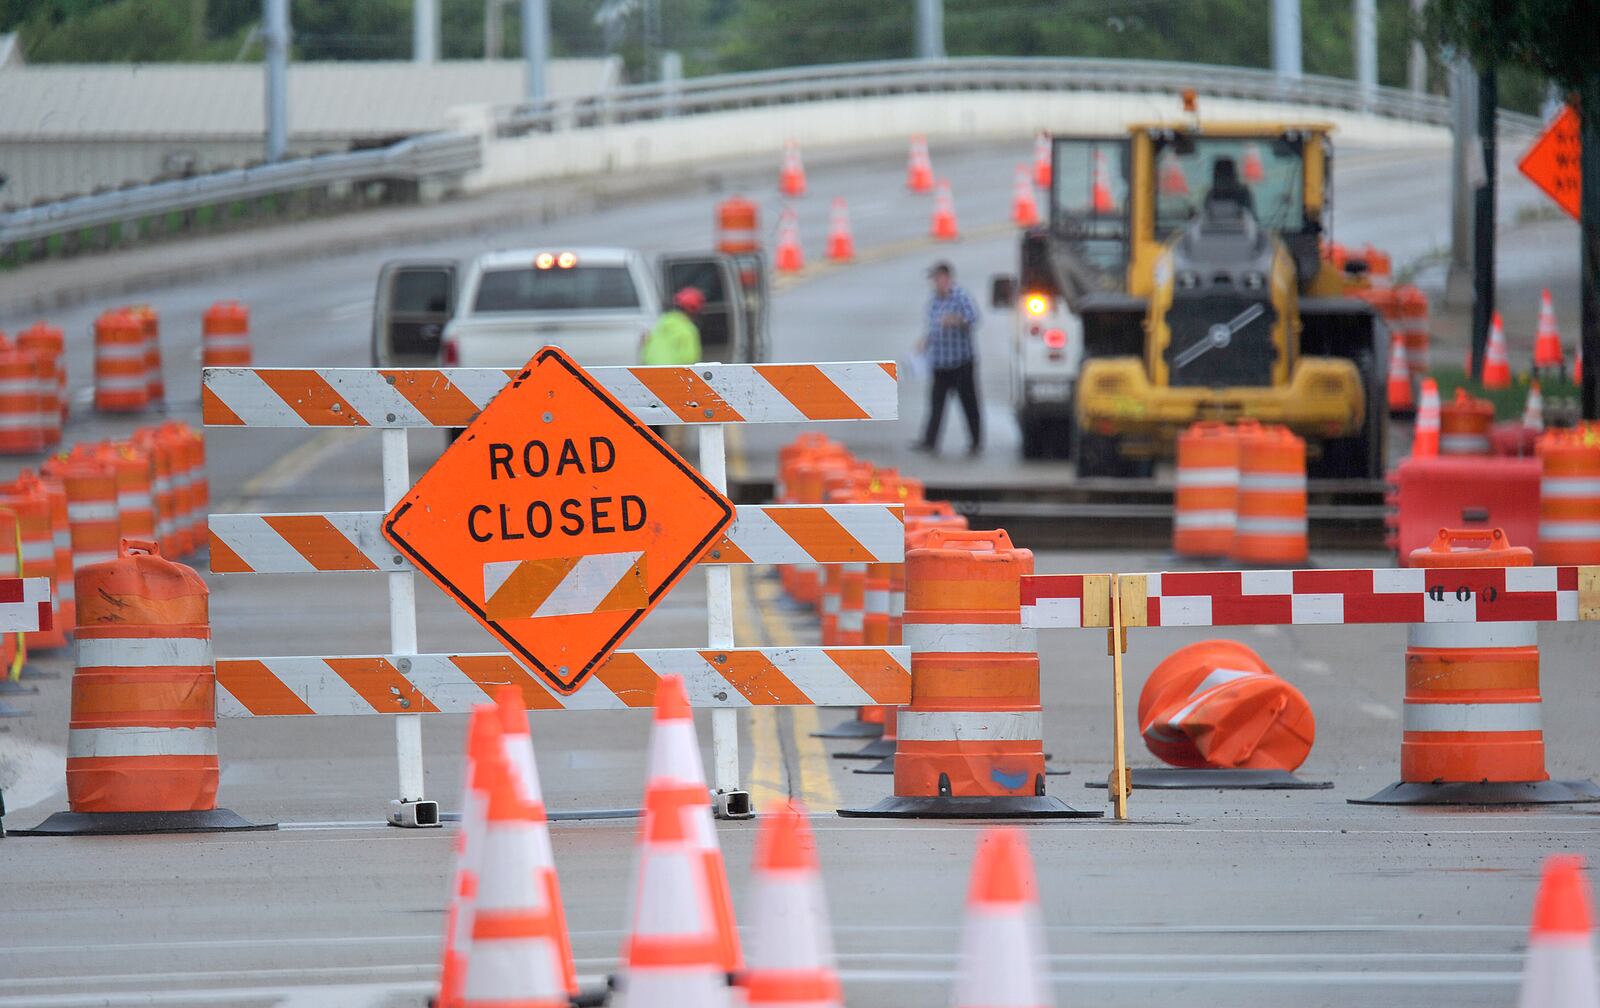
[(948, 344)]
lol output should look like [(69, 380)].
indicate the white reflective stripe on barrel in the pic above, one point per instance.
[(1472, 635), (1197, 696), (119, 351), (969, 726), (851, 619), (143, 652), (1205, 519), (1271, 526), (1468, 717), (830, 602), (976, 637), (1218, 476), (227, 340), (1271, 481), (1561, 530), (877, 601), (90, 742), (897, 603), (135, 502), (1570, 486), (86, 511), (853, 568)]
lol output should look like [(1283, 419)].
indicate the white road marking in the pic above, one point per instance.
[(1315, 666), (1383, 712), (350, 310)]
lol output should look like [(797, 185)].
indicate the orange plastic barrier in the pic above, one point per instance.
[(121, 384), (1206, 501), (1272, 496), (971, 742), (1472, 727), (30, 499), (225, 335), (91, 486), (738, 226), (1428, 494), (50, 344), (1217, 704), (1569, 497), (1464, 424)]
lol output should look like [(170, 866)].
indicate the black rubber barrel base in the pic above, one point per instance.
[(853, 728), (1021, 807), (885, 766), (1216, 779), (878, 749), (121, 823), (1548, 792)]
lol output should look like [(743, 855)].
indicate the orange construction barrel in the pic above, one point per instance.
[(1464, 424), (1206, 500), (738, 226), (1569, 497)]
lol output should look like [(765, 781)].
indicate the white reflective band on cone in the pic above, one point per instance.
[(970, 726), (1271, 481), (1205, 520), (1467, 717), (1570, 486), (1214, 477), (1271, 526), (982, 637), (143, 652), (1472, 635), (85, 742), (1558, 530)]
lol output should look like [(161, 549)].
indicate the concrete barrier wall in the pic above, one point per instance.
[(1002, 115)]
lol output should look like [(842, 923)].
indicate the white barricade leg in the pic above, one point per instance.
[(732, 801), (410, 808)]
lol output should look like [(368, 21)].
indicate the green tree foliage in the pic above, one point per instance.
[(1557, 39)]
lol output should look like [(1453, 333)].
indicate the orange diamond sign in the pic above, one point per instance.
[(558, 520), (1552, 162)]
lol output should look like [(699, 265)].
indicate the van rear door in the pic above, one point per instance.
[(415, 299), (724, 328)]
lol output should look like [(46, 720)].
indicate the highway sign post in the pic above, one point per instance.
[(558, 520)]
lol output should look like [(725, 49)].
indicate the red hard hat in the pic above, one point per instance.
[(689, 299)]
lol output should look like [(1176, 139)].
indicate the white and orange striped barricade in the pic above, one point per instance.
[(806, 487), (225, 335), (1569, 496), (142, 743), (971, 742), (24, 609), (13, 644), (50, 343), (722, 676), (1459, 597), (120, 382), (30, 498)]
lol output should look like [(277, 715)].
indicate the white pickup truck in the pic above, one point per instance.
[(595, 303)]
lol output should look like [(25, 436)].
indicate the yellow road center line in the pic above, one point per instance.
[(815, 788), (767, 781)]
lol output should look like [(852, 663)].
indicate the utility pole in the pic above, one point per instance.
[(1483, 208), (1589, 234), (535, 46), (275, 32), (1417, 61), (930, 29), (424, 31), (1463, 82), (494, 28), (1286, 40), (1365, 16)]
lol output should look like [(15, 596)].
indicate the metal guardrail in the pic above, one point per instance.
[(419, 160), (902, 77)]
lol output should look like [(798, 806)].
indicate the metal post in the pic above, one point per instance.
[(1483, 220), (1417, 61), (1589, 235), (424, 31), (535, 46), (410, 809), (1464, 127), (494, 28), (1286, 39), (930, 29), (275, 34), (729, 800), (1365, 16)]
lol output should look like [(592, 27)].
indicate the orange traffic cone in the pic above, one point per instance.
[(1496, 365), (1253, 171), (1559, 971), (1002, 947), (515, 952), (1425, 439), (1533, 412), (1024, 207), (944, 214), (673, 957), (790, 258), (792, 179), (1173, 181), (1401, 402), (919, 167), (1547, 341), (484, 749), (841, 244), (675, 761), (1041, 160), (791, 948), (1101, 187), (517, 746)]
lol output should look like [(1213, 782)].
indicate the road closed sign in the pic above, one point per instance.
[(558, 520)]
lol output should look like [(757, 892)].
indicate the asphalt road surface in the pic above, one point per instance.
[(1237, 898)]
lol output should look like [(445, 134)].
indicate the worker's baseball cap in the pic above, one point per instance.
[(941, 267)]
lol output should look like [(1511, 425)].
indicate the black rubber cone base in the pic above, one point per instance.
[(878, 749), (121, 823), (1484, 793), (853, 728), (1025, 807), (1216, 779)]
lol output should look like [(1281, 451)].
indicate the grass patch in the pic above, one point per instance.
[(1508, 402)]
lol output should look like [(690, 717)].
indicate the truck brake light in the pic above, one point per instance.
[(1055, 339), (449, 353)]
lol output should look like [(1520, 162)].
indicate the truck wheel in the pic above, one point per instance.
[(1063, 436), (1101, 456), (1359, 457), (1034, 435)]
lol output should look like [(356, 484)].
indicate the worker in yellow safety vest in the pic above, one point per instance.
[(675, 339)]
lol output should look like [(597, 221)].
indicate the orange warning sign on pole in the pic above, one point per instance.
[(1552, 162), (558, 519)]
